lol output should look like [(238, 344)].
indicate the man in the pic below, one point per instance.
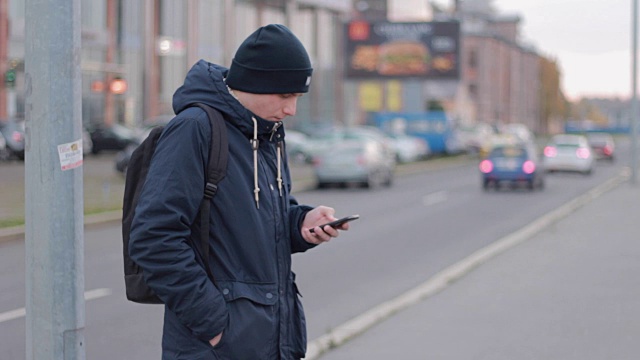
[(253, 310)]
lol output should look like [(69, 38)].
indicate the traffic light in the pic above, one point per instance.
[(10, 77)]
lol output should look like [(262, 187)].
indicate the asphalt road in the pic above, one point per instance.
[(569, 292), (407, 234)]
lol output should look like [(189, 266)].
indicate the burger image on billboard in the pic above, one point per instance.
[(403, 58)]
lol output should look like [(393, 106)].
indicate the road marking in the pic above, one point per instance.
[(434, 198), (440, 281), (88, 295)]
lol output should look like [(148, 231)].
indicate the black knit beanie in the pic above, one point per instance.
[(271, 61)]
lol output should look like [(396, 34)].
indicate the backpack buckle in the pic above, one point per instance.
[(210, 190)]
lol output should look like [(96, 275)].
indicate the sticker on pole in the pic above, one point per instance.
[(70, 155)]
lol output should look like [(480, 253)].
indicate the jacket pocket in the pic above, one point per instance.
[(252, 329), (298, 331)]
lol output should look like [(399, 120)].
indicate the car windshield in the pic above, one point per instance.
[(567, 146)]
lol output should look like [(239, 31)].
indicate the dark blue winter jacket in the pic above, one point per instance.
[(255, 300)]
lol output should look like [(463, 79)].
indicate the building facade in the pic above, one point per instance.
[(502, 77), (135, 54)]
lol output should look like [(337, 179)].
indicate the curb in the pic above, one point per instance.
[(90, 221), (440, 281)]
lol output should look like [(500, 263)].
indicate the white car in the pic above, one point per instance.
[(410, 148), (568, 152)]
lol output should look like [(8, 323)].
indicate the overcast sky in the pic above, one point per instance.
[(590, 39)]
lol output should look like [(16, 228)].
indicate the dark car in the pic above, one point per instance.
[(122, 159), (123, 156), (514, 164), (113, 138), (603, 145), (13, 133)]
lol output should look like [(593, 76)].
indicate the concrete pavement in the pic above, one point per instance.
[(568, 290)]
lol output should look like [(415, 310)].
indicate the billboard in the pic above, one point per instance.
[(428, 50)]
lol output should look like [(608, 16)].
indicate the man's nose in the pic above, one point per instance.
[(290, 106)]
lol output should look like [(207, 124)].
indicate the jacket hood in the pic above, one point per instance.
[(204, 83)]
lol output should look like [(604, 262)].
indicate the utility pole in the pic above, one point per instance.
[(55, 305), (634, 97), (4, 61)]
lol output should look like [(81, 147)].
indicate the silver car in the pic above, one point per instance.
[(356, 161)]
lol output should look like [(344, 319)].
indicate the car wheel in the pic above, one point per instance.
[(375, 179), (389, 180), (531, 184), (485, 185)]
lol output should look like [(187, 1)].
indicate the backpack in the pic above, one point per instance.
[(136, 288)]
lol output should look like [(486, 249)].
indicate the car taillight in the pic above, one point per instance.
[(486, 166), (608, 150), (17, 136), (529, 167), (316, 161), (550, 151), (361, 160), (583, 153)]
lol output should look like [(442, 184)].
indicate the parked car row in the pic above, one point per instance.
[(363, 155), (366, 156)]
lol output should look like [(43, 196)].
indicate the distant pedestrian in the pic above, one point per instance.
[(253, 310)]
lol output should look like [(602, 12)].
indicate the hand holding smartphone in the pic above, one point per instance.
[(338, 222)]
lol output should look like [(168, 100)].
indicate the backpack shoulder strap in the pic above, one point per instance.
[(218, 154), (216, 170)]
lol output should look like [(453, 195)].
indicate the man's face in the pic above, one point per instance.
[(272, 107)]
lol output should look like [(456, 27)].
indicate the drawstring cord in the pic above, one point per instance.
[(254, 146), (279, 178)]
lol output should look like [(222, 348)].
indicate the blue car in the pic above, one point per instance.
[(512, 164)]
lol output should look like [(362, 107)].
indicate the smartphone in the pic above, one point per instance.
[(338, 222)]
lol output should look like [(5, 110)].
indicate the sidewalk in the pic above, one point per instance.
[(569, 291)]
